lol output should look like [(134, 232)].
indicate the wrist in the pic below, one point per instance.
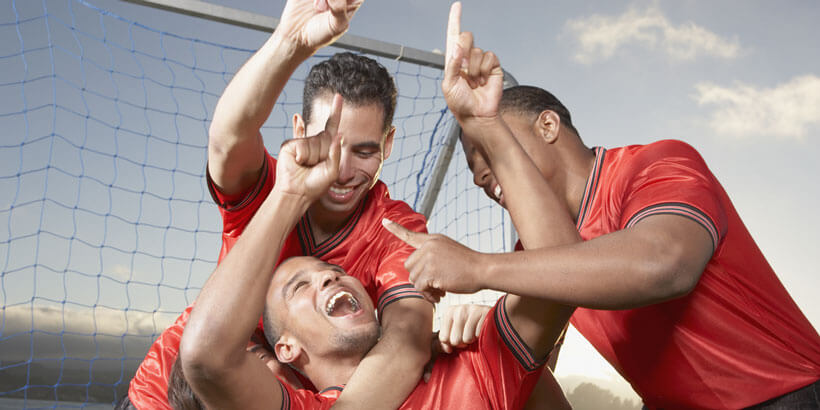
[(296, 202), (290, 49)]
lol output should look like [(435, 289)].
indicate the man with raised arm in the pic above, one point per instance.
[(321, 321), (342, 224), (673, 291)]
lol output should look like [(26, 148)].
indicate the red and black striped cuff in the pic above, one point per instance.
[(677, 208), (512, 339), (395, 293)]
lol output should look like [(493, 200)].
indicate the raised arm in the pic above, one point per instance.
[(212, 350), (235, 146)]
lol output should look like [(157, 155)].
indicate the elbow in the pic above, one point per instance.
[(199, 360)]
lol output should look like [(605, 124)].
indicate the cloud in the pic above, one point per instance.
[(600, 37), (788, 110)]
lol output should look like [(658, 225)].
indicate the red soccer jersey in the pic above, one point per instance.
[(362, 247), (738, 338), (498, 371)]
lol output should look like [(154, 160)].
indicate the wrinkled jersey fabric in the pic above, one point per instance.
[(738, 338), (498, 371), (362, 247)]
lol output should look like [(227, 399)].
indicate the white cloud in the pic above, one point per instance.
[(788, 110), (600, 37)]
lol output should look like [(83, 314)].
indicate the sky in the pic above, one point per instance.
[(738, 80)]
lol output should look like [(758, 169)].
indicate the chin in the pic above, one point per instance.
[(359, 340)]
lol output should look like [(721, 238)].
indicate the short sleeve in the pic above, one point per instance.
[(507, 365), (237, 210), (670, 177), (149, 387), (392, 279)]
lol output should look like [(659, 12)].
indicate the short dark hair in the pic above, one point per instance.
[(528, 100), (359, 79), (272, 332), (180, 394)]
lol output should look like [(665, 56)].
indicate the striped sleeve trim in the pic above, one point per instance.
[(285, 397), (395, 293), (676, 208), (512, 339)]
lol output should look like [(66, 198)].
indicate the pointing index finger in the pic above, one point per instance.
[(414, 239), (453, 29)]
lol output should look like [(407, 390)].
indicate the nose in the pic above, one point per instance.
[(328, 277), (481, 172), (346, 167)]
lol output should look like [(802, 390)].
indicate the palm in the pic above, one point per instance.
[(465, 100), (316, 27)]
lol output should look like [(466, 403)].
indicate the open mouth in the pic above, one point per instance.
[(341, 304), (497, 192)]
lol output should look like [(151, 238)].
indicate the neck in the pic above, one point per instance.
[(573, 166), (328, 373), (325, 224)]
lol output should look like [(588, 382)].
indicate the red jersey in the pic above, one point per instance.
[(362, 247), (738, 338), (498, 371)]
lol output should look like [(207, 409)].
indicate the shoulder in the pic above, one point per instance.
[(395, 210), (666, 149)]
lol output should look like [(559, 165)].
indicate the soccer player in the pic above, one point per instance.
[(321, 321), (672, 289), (343, 224)]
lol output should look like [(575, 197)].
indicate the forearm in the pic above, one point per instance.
[(540, 218), (235, 145), (393, 368), (231, 302), (621, 270)]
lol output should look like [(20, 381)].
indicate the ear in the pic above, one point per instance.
[(287, 350), (298, 126), (387, 146), (547, 125)]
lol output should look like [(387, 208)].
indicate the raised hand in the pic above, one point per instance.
[(439, 263), (473, 79), (313, 24), (307, 166)]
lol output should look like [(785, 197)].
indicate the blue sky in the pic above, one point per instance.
[(739, 80)]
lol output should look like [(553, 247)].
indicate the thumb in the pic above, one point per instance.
[(414, 239)]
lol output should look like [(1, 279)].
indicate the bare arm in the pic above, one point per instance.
[(235, 146), (212, 350), (393, 368)]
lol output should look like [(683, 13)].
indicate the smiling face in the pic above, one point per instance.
[(365, 147), (321, 309)]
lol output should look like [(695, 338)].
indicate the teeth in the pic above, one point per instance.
[(497, 192), (340, 191), (331, 304)]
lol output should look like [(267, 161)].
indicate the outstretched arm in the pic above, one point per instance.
[(212, 350), (235, 146), (658, 259)]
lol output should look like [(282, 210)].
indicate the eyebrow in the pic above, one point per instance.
[(368, 144)]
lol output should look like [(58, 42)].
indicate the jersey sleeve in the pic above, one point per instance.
[(237, 210), (149, 387), (392, 279), (508, 366), (672, 178), (301, 399)]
